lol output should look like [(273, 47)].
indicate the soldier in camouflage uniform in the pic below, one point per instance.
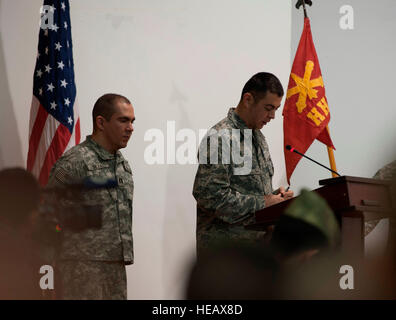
[(227, 194), (92, 262), (386, 173)]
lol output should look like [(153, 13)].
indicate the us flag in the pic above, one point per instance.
[(54, 121)]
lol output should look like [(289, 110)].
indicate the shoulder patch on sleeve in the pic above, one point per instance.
[(63, 176)]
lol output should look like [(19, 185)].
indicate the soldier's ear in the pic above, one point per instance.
[(100, 122), (248, 99)]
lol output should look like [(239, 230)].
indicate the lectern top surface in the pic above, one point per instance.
[(352, 179)]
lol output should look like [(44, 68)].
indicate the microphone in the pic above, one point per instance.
[(291, 149)]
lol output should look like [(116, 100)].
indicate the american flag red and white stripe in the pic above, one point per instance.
[(54, 121)]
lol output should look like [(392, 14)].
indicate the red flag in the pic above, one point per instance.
[(306, 113)]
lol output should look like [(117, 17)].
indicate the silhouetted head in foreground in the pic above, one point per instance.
[(19, 196), (233, 271), (19, 260), (307, 227)]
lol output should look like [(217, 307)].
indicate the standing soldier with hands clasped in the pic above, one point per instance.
[(92, 262)]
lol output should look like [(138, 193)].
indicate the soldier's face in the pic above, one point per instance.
[(120, 127), (263, 111)]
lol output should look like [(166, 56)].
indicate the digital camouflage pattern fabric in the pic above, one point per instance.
[(93, 280), (113, 242), (226, 199)]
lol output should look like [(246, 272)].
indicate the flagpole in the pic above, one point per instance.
[(329, 150), (305, 11), (331, 157)]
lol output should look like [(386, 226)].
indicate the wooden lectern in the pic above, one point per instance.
[(354, 200)]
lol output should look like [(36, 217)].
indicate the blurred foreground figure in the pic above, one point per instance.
[(233, 271), (303, 262), (306, 244), (307, 231), (241, 270), (19, 261), (307, 226)]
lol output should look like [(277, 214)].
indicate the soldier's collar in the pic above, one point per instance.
[(102, 152), (236, 120)]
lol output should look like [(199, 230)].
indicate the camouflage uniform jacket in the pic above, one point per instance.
[(227, 201), (113, 241)]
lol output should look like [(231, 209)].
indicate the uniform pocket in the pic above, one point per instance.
[(105, 172)]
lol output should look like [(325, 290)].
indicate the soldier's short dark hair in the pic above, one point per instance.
[(19, 195), (261, 83), (105, 106)]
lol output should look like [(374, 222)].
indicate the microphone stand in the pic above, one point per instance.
[(303, 155)]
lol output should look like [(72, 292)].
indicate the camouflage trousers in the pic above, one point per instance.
[(219, 234), (93, 280)]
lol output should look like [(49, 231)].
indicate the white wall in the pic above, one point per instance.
[(179, 60)]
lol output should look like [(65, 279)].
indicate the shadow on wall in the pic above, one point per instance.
[(177, 247), (10, 142)]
